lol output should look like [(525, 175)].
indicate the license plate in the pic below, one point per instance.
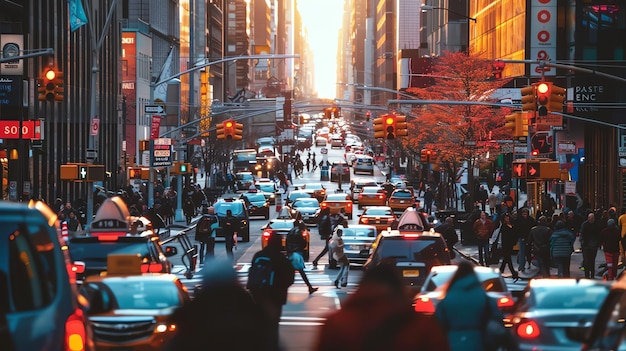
[(337, 205), (357, 247), (401, 201), (411, 273)]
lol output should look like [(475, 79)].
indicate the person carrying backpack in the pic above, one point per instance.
[(206, 230), (295, 246), (269, 279)]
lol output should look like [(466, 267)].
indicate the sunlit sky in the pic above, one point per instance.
[(322, 18)]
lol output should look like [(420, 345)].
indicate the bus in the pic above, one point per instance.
[(244, 160)]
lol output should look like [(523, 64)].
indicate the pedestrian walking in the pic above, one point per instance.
[(206, 230), (493, 202), (271, 296), (308, 165), (621, 223), (449, 234), (483, 228), (325, 230), (509, 238), (590, 242), (337, 219), (73, 224), (465, 310), (221, 312), (296, 243), (378, 317), (336, 247), (539, 237), (429, 197), (230, 227), (523, 223), (610, 238), (561, 248)]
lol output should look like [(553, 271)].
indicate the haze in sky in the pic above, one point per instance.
[(322, 18)]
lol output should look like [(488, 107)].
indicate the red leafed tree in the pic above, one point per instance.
[(458, 133)]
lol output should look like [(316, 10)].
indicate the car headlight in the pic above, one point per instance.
[(165, 327)]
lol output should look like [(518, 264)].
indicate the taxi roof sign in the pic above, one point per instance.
[(112, 215)]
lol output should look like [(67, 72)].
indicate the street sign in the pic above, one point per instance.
[(190, 130), (11, 129), (324, 151), (156, 109)]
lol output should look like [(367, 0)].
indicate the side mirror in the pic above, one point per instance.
[(170, 251)]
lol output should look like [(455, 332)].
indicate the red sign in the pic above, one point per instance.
[(156, 125), (11, 130)]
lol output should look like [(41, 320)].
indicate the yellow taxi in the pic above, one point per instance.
[(337, 202), (401, 199), (129, 310), (372, 196), (382, 217)]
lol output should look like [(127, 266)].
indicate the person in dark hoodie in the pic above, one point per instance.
[(561, 248), (610, 239), (539, 237)]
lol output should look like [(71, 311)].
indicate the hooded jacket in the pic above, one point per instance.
[(561, 241)]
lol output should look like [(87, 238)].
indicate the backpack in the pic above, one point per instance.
[(261, 274), (295, 241)]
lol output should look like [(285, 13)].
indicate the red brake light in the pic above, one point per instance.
[(380, 197), (505, 301), (424, 305), (110, 236), (78, 267), (75, 331), (324, 205), (349, 204), (151, 268), (528, 329), (266, 235), (364, 220)]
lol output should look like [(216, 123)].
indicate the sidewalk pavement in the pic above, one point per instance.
[(470, 252)]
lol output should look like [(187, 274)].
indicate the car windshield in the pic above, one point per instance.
[(568, 297), (377, 212), (91, 251), (281, 225), (402, 194), (299, 195), (411, 250), (268, 188), (306, 203), (246, 177), (371, 190), (489, 280), (359, 232), (255, 197), (222, 206), (336, 197), (314, 186), (144, 295)]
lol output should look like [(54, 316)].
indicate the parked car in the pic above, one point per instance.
[(551, 311), (372, 196), (244, 180), (415, 253), (382, 217), (433, 290), (40, 307), (282, 226), (338, 202), (401, 199), (358, 240), (132, 311)]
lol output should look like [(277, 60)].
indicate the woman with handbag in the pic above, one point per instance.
[(509, 238), (469, 316)]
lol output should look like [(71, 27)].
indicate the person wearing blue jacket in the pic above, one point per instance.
[(561, 248), (465, 310)]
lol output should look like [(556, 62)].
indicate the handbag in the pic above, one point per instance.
[(495, 251)]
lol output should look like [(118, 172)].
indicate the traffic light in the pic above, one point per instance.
[(557, 97), (134, 172), (59, 86), (238, 128), (46, 86), (510, 123), (182, 168), (229, 129), (529, 102), (522, 124), (401, 126), (425, 155), (544, 93), (220, 131), (390, 126), (379, 128)]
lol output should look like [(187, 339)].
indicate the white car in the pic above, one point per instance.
[(321, 141)]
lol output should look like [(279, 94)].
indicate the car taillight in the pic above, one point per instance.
[(390, 219), (109, 236), (424, 305), (151, 268), (75, 331), (364, 220), (78, 267), (505, 302), (528, 329), (324, 205), (350, 204), (381, 197), (266, 235)]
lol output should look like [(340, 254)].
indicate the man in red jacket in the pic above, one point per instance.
[(483, 228)]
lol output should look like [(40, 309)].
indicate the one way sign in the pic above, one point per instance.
[(156, 109)]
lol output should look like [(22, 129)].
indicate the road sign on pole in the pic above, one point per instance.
[(156, 109)]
